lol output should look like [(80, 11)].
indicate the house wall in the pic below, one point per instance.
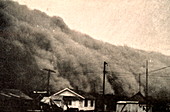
[(131, 108), (74, 104), (89, 107), (81, 105)]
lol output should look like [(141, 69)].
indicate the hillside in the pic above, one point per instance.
[(30, 40)]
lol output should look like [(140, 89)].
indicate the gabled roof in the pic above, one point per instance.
[(14, 93), (85, 94), (138, 97), (71, 91)]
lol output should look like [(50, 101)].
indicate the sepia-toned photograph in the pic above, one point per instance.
[(84, 55)]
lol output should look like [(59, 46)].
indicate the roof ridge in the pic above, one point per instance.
[(70, 91)]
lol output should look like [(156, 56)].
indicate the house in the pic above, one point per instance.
[(136, 103), (76, 99), (13, 100)]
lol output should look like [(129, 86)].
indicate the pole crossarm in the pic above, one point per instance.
[(49, 70)]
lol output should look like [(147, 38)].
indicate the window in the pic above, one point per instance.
[(86, 103), (91, 103)]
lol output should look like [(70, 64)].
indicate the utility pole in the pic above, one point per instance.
[(94, 87), (104, 73), (146, 92), (139, 83), (48, 80)]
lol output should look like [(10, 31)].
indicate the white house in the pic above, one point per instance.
[(77, 99)]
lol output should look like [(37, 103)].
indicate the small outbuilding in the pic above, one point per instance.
[(136, 103)]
